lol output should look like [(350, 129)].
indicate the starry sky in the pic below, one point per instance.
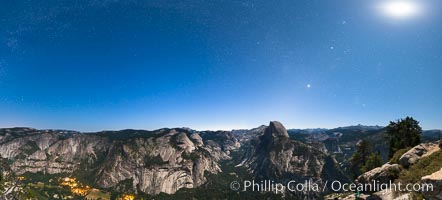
[(93, 65)]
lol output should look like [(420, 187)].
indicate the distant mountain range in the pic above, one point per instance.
[(177, 163)]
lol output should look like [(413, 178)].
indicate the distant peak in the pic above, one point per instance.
[(276, 129)]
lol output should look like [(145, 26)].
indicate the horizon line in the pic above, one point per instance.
[(184, 127)]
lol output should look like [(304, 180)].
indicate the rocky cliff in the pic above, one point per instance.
[(274, 156), (151, 161)]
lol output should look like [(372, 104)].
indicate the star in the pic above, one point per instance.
[(309, 86)]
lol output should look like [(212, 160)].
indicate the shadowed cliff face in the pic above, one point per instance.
[(276, 130), (273, 156), (157, 161)]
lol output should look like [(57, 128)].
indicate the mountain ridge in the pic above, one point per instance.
[(177, 161)]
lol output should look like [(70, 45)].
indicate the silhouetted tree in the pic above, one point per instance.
[(360, 157), (403, 133), (373, 161)]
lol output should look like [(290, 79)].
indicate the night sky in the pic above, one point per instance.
[(110, 64)]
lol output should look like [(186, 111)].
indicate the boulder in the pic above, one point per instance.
[(382, 174), (416, 153), (435, 180), (392, 195)]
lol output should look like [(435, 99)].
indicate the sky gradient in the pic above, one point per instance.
[(109, 64)]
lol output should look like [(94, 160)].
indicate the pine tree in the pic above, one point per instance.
[(373, 161), (360, 157), (403, 133)]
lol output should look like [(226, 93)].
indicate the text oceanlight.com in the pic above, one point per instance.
[(333, 186)]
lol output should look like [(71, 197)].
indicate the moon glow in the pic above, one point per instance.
[(400, 8)]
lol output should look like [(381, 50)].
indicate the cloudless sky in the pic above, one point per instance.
[(109, 64)]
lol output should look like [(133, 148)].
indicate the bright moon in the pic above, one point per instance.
[(400, 8)]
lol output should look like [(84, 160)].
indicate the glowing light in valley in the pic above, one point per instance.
[(400, 8)]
